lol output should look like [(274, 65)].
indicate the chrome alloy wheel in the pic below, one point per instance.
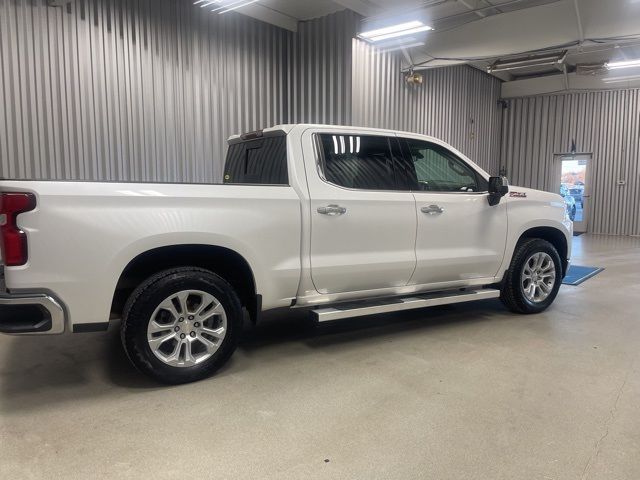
[(187, 328), (538, 277)]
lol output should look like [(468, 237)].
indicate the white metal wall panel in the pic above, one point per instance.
[(322, 64), (149, 90), (604, 123), (457, 104), (132, 90)]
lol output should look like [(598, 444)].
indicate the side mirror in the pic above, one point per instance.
[(498, 188)]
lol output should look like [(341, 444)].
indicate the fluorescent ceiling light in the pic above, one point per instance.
[(224, 5), (393, 31), (340, 144), (206, 3), (623, 64), (527, 62), (234, 6)]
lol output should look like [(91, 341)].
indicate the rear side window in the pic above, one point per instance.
[(362, 162), (262, 161)]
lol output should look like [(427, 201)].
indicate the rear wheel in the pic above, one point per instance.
[(181, 325), (534, 276)]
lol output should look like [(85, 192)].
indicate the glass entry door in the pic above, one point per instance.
[(573, 175)]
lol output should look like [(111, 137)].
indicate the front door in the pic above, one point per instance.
[(362, 227), (460, 237)]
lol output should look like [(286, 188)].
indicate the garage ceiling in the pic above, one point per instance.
[(585, 34), (445, 13)]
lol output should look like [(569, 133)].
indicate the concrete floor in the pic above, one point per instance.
[(467, 391)]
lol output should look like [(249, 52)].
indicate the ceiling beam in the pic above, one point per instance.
[(579, 20), (362, 7), (515, 33), (569, 83), (468, 5), (269, 15), (490, 3)]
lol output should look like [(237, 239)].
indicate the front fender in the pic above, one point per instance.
[(536, 209)]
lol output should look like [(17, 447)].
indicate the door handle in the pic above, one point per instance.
[(432, 209), (332, 210)]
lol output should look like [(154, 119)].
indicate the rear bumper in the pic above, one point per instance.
[(31, 314)]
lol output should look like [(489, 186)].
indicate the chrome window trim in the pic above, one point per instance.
[(320, 167), (484, 192)]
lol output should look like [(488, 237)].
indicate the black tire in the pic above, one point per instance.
[(147, 297), (512, 294)]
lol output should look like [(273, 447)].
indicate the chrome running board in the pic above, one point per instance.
[(386, 305)]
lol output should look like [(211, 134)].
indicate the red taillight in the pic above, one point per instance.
[(14, 240)]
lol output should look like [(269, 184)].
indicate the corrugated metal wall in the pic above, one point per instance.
[(322, 63), (133, 90), (149, 90), (604, 123), (457, 104)]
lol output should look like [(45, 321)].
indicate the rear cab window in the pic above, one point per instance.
[(257, 159)]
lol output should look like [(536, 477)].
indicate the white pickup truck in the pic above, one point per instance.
[(343, 221)]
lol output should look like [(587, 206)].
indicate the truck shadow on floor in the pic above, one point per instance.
[(298, 326), (71, 367)]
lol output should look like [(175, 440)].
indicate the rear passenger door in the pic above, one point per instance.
[(363, 226)]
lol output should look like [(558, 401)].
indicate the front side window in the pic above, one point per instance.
[(362, 162), (439, 170), (262, 161)]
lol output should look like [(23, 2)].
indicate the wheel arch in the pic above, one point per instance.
[(552, 235), (223, 261)]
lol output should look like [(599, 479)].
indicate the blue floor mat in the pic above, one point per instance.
[(577, 274)]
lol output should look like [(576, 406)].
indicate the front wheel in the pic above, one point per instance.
[(181, 325), (534, 276)]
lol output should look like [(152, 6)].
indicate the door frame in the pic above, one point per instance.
[(352, 199), (583, 226)]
